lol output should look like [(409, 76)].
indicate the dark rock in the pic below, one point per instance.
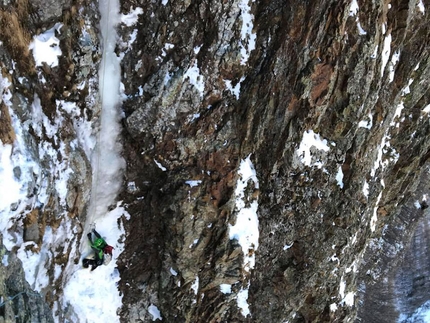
[(50, 10), (19, 302), (311, 69)]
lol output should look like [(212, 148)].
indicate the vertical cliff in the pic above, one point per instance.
[(276, 155), (329, 101)]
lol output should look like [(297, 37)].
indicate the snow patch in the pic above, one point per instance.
[(335, 258), (339, 177), (195, 78), (375, 52), (365, 189), (386, 50), (155, 312), (378, 162), (167, 47), (248, 37), (421, 314), (309, 140), (394, 60), (195, 285), (167, 78), (385, 146), (342, 287), (132, 17), (225, 288), (242, 302), (82, 127), (30, 263), (46, 47), (349, 299), (353, 9), (5, 94), (397, 114), (407, 89), (421, 7), (132, 37), (287, 246), (197, 49), (245, 230), (366, 123), (131, 187), (5, 260), (160, 166), (375, 213), (361, 31), (59, 171), (20, 174), (193, 183), (236, 89)]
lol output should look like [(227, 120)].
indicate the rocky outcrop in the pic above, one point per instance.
[(19, 303), (44, 106), (353, 74), (49, 11), (328, 99)]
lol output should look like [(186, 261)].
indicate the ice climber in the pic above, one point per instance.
[(103, 251)]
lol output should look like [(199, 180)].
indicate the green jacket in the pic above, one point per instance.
[(98, 245)]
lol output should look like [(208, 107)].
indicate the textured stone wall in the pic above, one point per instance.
[(69, 82), (355, 74), (19, 303), (322, 66)]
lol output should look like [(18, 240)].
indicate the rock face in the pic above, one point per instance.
[(19, 302), (353, 74), (50, 101), (329, 100), (49, 11)]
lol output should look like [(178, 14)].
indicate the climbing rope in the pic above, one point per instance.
[(13, 297)]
